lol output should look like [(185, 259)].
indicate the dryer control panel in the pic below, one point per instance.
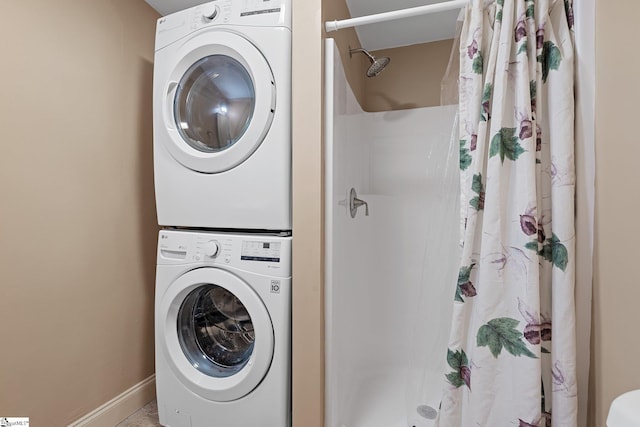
[(259, 13), (259, 253)]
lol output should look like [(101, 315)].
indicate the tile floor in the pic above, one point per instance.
[(144, 417)]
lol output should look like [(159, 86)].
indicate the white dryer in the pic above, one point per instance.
[(222, 324), (222, 116)]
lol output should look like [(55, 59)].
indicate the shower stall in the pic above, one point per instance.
[(391, 224)]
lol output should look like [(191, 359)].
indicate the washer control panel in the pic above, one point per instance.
[(258, 250), (261, 253)]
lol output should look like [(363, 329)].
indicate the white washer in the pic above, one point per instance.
[(223, 329), (222, 116)]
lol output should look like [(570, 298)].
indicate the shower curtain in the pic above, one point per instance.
[(511, 355)]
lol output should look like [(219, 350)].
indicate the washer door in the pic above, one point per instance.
[(219, 102), (218, 334)]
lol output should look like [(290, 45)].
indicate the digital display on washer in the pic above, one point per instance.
[(257, 7), (260, 251)]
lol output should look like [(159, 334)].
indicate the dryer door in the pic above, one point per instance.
[(219, 101), (218, 336)]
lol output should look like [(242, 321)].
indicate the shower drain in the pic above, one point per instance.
[(426, 411)]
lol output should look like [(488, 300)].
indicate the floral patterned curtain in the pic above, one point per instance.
[(511, 353)]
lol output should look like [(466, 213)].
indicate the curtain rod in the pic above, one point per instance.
[(395, 14)]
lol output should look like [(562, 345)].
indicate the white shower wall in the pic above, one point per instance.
[(390, 276)]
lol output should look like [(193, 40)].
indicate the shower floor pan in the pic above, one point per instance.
[(380, 400)]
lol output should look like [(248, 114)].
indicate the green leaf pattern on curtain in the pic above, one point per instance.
[(465, 286), (461, 374), (506, 144), (477, 187), (513, 305), (502, 333), (486, 102), (465, 157), (550, 58), (477, 63)]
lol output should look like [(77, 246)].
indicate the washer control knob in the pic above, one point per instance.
[(212, 248), (210, 12)]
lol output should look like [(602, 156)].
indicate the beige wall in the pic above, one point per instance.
[(307, 328), (615, 338), (412, 78), (77, 216), (356, 66)]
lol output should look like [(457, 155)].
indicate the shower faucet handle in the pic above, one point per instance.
[(359, 202), (355, 203)]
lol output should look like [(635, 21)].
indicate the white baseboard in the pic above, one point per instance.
[(121, 406)]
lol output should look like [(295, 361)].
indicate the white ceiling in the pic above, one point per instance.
[(165, 7), (403, 32)]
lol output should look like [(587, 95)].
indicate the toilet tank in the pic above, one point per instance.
[(625, 410)]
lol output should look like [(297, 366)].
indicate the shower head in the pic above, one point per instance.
[(377, 65)]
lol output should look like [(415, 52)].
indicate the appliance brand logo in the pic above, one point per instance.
[(275, 286), (14, 422)]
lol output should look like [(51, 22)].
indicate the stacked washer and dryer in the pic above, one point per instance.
[(222, 165)]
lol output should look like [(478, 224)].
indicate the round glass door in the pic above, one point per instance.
[(216, 97), (216, 334), (214, 103), (215, 331)]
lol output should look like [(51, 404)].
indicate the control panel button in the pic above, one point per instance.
[(212, 248), (210, 12)]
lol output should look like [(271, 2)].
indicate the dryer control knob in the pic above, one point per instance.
[(212, 248), (210, 12)]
